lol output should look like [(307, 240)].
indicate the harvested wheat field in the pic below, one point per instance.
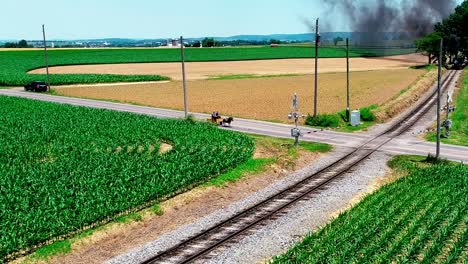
[(259, 98), (204, 70)]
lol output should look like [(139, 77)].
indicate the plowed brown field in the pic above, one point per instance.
[(259, 98), (203, 70)]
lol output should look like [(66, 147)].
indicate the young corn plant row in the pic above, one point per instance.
[(419, 218), (63, 168)]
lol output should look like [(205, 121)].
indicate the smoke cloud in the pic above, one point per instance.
[(413, 17)]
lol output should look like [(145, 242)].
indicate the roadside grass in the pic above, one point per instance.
[(420, 217), (56, 248), (157, 210), (407, 96), (132, 216), (459, 131), (337, 121), (285, 152), (247, 76), (362, 127), (61, 247), (251, 166), (315, 147), (427, 67)]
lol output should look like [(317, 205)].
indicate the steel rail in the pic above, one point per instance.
[(207, 240)]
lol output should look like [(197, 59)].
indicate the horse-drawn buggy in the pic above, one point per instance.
[(219, 120)]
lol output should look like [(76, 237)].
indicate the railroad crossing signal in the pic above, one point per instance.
[(295, 132)]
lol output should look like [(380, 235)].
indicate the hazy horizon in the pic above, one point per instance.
[(147, 19)]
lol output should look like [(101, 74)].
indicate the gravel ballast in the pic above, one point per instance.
[(278, 234), (306, 216)]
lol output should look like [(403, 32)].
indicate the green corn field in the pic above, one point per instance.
[(421, 218), (63, 168)]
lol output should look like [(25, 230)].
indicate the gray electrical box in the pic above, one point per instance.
[(295, 132), (355, 118)]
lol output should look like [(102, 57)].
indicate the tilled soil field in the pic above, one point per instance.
[(204, 70), (259, 98)]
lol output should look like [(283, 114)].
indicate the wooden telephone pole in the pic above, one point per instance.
[(317, 39), (46, 58), (183, 75)]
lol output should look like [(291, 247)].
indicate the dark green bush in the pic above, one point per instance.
[(367, 114), (323, 120)]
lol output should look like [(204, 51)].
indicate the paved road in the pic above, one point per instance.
[(403, 145)]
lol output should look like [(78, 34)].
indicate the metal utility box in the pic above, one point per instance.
[(295, 132), (355, 118)]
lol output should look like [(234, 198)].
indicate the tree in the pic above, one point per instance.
[(337, 39), (208, 42), (196, 44), (275, 41), (454, 32), (10, 45), (429, 44), (23, 44)]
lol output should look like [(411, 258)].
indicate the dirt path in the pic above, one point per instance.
[(203, 70)]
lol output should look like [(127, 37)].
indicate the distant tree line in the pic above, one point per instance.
[(20, 44), (454, 31), (211, 42)]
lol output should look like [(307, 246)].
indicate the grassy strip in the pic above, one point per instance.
[(406, 97), (404, 221), (459, 131), (259, 165), (247, 76), (252, 166), (338, 120)]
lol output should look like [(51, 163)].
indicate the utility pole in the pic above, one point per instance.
[(348, 108), (183, 75), (46, 57), (439, 83), (317, 39)]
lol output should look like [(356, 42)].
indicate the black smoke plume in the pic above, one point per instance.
[(372, 18)]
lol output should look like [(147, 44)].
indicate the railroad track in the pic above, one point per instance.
[(200, 245)]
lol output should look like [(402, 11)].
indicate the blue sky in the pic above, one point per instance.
[(78, 19), (71, 19)]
